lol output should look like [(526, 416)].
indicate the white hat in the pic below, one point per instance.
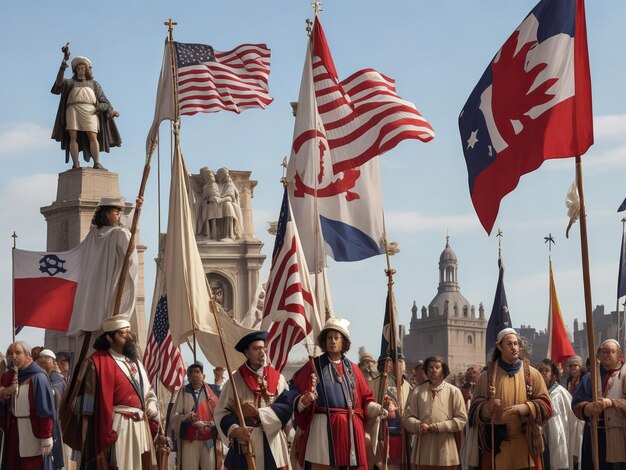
[(79, 59), (118, 202), (115, 323), (609, 341), (47, 353), (339, 324), (503, 333)]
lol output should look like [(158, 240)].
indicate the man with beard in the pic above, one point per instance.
[(113, 411), (27, 410), (266, 409)]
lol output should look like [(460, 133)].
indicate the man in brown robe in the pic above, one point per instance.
[(509, 405)]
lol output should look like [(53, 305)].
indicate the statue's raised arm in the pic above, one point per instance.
[(84, 120)]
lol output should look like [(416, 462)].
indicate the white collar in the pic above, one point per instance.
[(256, 372)]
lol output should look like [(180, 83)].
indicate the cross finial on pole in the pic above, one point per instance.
[(500, 234), (14, 237), (170, 28), (550, 241)]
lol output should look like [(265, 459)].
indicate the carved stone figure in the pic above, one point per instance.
[(206, 207), (84, 120), (230, 224)]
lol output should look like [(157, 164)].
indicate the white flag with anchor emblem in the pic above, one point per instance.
[(341, 127), (74, 290)]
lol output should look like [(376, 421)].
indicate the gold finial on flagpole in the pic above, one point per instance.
[(170, 25), (550, 241), (283, 164), (317, 7)]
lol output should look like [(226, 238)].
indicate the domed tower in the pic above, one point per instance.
[(449, 326), (449, 301)]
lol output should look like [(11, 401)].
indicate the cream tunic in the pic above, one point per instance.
[(447, 409), (80, 114)]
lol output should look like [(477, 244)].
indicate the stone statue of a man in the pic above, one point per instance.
[(84, 120)]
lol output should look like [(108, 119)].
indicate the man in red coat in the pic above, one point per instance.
[(27, 411), (113, 409), (333, 389)]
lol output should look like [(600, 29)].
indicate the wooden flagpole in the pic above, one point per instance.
[(14, 237), (588, 309), (144, 179), (248, 450), (620, 324), (393, 344)]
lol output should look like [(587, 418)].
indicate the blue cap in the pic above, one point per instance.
[(244, 342)]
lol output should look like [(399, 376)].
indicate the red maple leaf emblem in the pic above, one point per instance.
[(511, 97)]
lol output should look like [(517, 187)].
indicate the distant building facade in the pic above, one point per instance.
[(604, 326), (450, 327)]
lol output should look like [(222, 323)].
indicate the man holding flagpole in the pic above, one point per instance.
[(610, 408), (334, 404), (509, 406), (259, 387), (113, 412), (193, 421)]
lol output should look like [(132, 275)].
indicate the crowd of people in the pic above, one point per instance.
[(332, 414)]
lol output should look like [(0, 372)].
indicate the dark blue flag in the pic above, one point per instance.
[(621, 277), (500, 318), (389, 342), (622, 207)]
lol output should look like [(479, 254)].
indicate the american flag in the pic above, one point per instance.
[(362, 116), (209, 80), (162, 358), (289, 304)]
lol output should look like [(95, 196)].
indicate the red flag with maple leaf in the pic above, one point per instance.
[(532, 103)]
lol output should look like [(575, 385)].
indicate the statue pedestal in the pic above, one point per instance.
[(69, 220)]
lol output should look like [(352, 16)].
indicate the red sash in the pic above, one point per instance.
[(205, 413)]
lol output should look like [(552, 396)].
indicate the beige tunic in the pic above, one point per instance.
[(80, 114), (447, 409)]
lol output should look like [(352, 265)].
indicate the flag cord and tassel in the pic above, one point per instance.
[(248, 450), (588, 308)]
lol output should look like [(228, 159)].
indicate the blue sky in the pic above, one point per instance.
[(436, 52)]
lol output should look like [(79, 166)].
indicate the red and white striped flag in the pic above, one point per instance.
[(362, 116), (162, 358), (340, 126), (209, 81), (290, 313)]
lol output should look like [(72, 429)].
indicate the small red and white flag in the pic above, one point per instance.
[(45, 286)]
